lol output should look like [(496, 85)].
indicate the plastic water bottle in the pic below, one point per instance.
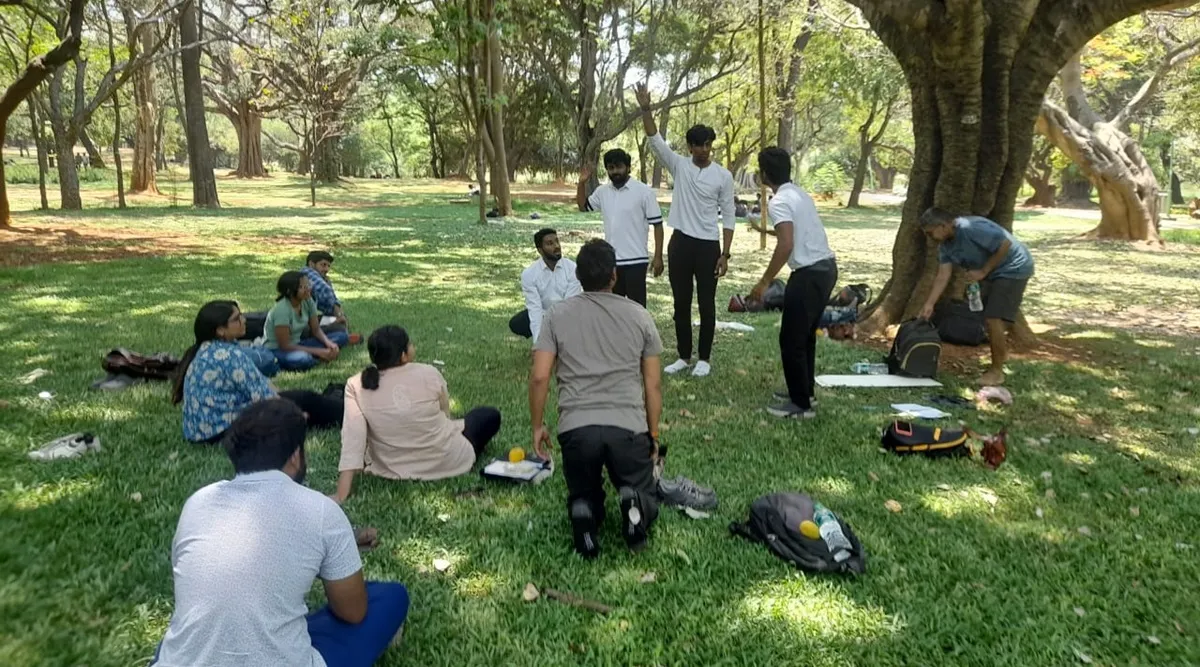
[(831, 532), (974, 297), (868, 368)]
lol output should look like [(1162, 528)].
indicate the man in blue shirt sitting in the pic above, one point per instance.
[(316, 269), (995, 259)]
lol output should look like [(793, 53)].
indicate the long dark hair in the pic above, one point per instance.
[(289, 285), (386, 346), (212, 316)]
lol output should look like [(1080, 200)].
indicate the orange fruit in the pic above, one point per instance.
[(516, 455), (810, 530)]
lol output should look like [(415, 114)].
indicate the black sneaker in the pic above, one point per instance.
[(633, 519), (583, 528), (790, 410)]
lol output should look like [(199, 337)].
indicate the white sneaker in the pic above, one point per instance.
[(702, 369), (674, 368), (67, 447)]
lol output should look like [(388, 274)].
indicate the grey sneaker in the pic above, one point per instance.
[(682, 492), (67, 447), (781, 394), (790, 411)]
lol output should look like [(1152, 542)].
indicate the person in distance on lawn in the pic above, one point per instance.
[(294, 314), (606, 351), (217, 379), (630, 208), (703, 191), (550, 279), (316, 269), (397, 423), (246, 552), (995, 259), (801, 243)]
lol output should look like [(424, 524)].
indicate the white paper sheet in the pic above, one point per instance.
[(874, 381), (921, 411)]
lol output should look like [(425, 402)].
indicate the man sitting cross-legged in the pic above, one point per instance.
[(544, 283), (609, 400), (246, 552), (316, 269)]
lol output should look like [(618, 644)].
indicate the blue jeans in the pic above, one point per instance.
[(298, 360), (344, 645), (263, 358)]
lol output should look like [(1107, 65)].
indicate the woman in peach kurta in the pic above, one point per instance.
[(397, 422)]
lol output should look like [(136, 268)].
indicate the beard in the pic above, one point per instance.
[(619, 181), (553, 257)]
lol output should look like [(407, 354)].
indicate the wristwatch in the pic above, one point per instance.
[(726, 255)]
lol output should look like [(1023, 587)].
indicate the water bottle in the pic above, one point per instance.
[(867, 368), (831, 532), (974, 297)]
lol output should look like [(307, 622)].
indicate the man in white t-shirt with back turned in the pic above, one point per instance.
[(801, 243), (247, 550), (703, 192), (630, 208)]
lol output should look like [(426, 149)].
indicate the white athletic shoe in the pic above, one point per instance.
[(67, 447), (702, 369), (674, 368)]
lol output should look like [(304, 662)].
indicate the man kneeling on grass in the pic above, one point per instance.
[(609, 400), (995, 259), (246, 552)]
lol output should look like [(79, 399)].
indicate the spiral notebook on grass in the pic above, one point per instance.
[(530, 471)]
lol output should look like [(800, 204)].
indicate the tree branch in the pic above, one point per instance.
[(1174, 57)]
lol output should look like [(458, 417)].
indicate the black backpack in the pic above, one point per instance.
[(256, 324), (916, 350), (901, 437), (775, 521), (957, 324)]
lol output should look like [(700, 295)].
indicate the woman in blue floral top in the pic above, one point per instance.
[(217, 379)]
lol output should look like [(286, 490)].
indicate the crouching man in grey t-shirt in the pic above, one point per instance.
[(609, 400), (246, 552)]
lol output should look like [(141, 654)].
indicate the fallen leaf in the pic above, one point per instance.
[(694, 513), (1079, 611), (449, 329), (1038, 512), (172, 456), (530, 593), (684, 413), (624, 625), (1085, 495), (683, 554), (893, 506), (648, 578), (944, 487), (1084, 530), (741, 371), (1143, 490), (1125, 490), (989, 497), (1046, 439), (1050, 495), (443, 518), (1083, 657), (1179, 627), (708, 438), (691, 397), (873, 477), (438, 362), (441, 564), (1109, 496), (1047, 476), (1153, 640), (1183, 546), (135, 497), (1138, 537), (1135, 511), (4, 405), (762, 423), (529, 526)]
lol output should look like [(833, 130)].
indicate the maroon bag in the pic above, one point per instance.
[(125, 362)]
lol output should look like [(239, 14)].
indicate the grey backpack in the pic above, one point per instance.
[(775, 521)]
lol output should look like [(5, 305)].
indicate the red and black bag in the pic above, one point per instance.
[(125, 362)]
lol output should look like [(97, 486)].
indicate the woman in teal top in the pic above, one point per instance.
[(294, 314)]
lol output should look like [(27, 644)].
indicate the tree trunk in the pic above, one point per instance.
[(327, 159), (786, 88), (64, 147), (1115, 165), (95, 157), (144, 176), (860, 171), (392, 146), (977, 81), (495, 113), (116, 147), (1076, 192), (1176, 190), (39, 142), (1045, 192), (160, 154), (204, 182), (248, 124), (885, 177)]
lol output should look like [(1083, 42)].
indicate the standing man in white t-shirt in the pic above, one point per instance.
[(703, 192), (245, 555), (630, 209), (801, 244)]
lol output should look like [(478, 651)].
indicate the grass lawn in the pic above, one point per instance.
[(1083, 545)]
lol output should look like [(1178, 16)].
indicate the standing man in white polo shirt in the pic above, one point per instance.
[(703, 191), (802, 244), (550, 279), (630, 208)]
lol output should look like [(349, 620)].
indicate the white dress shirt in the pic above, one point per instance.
[(810, 244), (700, 195), (543, 287), (628, 213)]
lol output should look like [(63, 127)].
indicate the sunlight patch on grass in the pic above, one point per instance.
[(1091, 334), (481, 585), (31, 498), (1079, 459), (57, 305), (813, 609)]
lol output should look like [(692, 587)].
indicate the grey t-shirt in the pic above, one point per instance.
[(245, 554), (976, 239), (600, 339)]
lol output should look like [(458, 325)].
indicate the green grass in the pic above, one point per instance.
[(85, 573)]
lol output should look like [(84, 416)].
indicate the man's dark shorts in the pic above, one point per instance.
[(1002, 298)]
